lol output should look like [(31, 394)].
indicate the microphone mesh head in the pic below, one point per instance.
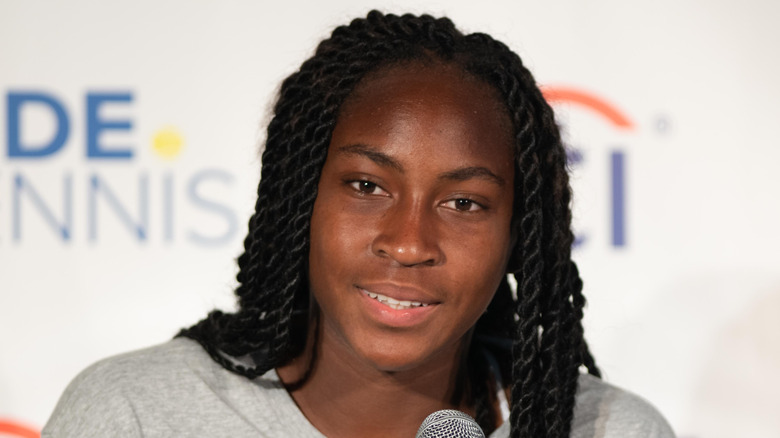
[(449, 423)]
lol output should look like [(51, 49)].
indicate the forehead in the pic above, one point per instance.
[(435, 100), (432, 84)]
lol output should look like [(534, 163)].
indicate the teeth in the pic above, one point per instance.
[(393, 303)]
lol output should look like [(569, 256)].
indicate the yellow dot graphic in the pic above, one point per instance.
[(167, 143)]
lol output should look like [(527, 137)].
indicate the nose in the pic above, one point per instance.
[(408, 236)]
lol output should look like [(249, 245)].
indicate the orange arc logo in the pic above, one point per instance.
[(588, 100), (16, 429)]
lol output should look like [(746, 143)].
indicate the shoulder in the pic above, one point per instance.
[(606, 411), (142, 372), (102, 400), (173, 389)]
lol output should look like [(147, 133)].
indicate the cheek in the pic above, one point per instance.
[(485, 246), (318, 248), (478, 264), (335, 243)]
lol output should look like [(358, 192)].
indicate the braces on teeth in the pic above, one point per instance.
[(393, 303)]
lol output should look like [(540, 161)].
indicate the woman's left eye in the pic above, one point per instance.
[(463, 204)]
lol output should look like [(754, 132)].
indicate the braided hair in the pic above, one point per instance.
[(534, 333)]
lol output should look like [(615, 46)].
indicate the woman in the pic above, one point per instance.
[(408, 168)]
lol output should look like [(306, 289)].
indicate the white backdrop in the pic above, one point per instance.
[(100, 255)]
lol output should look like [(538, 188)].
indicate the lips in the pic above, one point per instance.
[(397, 306), (392, 302)]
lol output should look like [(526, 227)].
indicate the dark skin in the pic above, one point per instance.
[(410, 237)]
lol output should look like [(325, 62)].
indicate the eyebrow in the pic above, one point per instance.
[(384, 160), (372, 154), (467, 173)]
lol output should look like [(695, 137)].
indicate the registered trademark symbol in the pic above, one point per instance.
[(662, 125)]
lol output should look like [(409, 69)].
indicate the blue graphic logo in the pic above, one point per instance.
[(87, 195)]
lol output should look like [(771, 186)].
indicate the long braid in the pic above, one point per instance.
[(542, 324), (555, 328)]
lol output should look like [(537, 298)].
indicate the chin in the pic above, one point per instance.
[(391, 358)]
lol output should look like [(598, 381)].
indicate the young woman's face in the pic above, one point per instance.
[(410, 233)]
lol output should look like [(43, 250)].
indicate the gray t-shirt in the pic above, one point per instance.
[(177, 390)]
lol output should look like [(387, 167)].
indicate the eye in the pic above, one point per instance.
[(464, 204), (365, 187)]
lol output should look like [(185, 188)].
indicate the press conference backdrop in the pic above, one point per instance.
[(129, 159)]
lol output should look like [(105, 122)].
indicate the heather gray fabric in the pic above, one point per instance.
[(177, 390)]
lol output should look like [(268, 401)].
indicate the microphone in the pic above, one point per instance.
[(449, 423)]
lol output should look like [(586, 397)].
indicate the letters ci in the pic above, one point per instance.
[(95, 125)]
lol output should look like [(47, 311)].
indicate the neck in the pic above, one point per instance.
[(346, 397)]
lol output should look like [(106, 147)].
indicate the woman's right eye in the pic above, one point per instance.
[(367, 188)]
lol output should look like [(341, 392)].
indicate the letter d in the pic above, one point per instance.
[(15, 147)]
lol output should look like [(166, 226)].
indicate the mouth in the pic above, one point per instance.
[(392, 302)]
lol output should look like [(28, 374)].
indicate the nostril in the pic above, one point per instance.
[(407, 252), (407, 235)]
